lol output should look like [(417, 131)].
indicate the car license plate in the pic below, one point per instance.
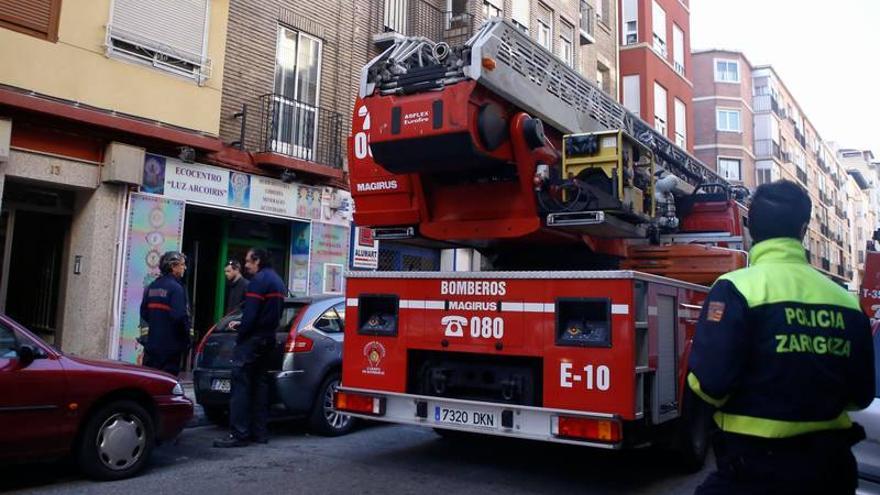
[(221, 385), (467, 417)]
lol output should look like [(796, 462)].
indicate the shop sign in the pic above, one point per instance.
[(205, 184), (365, 252), (329, 254)]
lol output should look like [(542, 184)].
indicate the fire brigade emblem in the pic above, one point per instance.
[(374, 352)]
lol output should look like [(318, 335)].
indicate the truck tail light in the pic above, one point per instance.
[(602, 430), (298, 343), (359, 403)]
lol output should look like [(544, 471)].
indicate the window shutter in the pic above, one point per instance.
[(174, 27), (37, 17), (520, 12)]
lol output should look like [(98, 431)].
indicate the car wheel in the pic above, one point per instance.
[(116, 442), (217, 414), (324, 419)]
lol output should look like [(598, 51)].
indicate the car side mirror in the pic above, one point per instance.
[(26, 355)]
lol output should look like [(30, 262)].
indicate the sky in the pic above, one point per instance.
[(826, 53)]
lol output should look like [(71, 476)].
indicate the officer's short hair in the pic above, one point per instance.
[(779, 209), (235, 265), (262, 255), (169, 259)]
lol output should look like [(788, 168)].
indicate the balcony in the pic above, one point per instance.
[(826, 264), (799, 136), (767, 147), (801, 174), (822, 164), (841, 271), (419, 18), (587, 23), (295, 134)]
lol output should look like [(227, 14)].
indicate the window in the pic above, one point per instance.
[(680, 123), (297, 91), (395, 16), (727, 120), (632, 94), (659, 28), (630, 22), (603, 77), (726, 71), (491, 8), (764, 176), (603, 11), (329, 322), (168, 34), (519, 14), (34, 17), (677, 49), (8, 343), (566, 45), (729, 168), (545, 30), (660, 108)]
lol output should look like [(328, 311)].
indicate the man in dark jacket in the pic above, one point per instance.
[(236, 286), (249, 404), (164, 309), (783, 353)]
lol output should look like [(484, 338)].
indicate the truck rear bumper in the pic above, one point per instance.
[(506, 420)]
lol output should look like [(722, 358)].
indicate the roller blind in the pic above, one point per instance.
[(173, 27)]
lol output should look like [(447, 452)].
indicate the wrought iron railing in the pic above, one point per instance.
[(801, 175), (299, 130), (420, 18), (826, 264)]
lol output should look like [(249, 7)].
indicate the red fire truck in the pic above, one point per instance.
[(599, 238)]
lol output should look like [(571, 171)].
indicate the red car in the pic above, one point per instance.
[(107, 414)]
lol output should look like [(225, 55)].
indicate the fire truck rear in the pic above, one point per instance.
[(599, 237)]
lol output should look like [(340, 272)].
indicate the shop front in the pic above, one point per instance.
[(214, 215)]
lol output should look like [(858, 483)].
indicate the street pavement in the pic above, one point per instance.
[(374, 459)]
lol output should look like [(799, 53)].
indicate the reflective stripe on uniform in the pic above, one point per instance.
[(159, 306), (774, 428), (694, 384), (273, 295), (778, 275), (254, 295)]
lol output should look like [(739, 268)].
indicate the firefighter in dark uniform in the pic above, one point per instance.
[(783, 353), (164, 309), (263, 303)]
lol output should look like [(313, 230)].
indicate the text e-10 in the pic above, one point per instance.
[(593, 377)]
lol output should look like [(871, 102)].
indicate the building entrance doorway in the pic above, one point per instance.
[(34, 225)]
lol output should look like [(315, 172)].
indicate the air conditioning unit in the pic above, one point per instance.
[(123, 164)]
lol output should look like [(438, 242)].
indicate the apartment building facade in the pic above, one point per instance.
[(753, 131), (655, 66), (725, 126)]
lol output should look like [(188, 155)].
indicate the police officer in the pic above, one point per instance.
[(783, 353), (249, 404), (164, 309)]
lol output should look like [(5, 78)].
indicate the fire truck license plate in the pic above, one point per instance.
[(469, 417)]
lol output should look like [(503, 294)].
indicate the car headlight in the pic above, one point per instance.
[(177, 390)]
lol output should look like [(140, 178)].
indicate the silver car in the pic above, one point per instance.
[(306, 366)]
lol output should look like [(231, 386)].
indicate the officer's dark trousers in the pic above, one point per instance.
[(249, 404), (818, 463), (166, 361)]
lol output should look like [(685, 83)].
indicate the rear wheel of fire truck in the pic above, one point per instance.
[(695, 430), (325, 419)]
